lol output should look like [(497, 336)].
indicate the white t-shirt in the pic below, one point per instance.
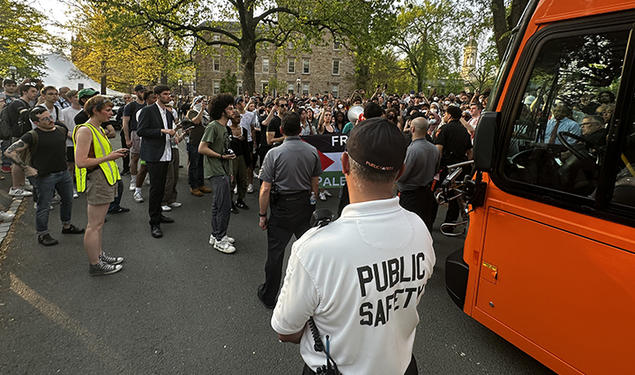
[(68, 118), (247, 120), (360, 278)]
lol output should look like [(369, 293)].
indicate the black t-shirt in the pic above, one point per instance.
[(274, 126), (239, 146), (81, 118), (50, 152), (13, 112), (455, 140), (131, 110)]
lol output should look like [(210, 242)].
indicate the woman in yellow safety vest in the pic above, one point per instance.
[(97, 174)]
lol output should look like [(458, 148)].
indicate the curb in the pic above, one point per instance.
[(6, 226)]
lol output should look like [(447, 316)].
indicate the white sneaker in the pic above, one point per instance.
[(230, 240), (133, 183), (75, 194), (137, 197), (28, 186), (322, 196), (328, 193), (236, 190), (5, 216), (175, 204), (166, 208), (146, 181), (224, 247), (17, 192), (250, 188)]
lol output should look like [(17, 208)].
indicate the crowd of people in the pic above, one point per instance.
[(33, 112)]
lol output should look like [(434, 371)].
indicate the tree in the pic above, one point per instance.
[(229, 83), (21, 34), (504, 19), (423, 31), (109, 52), (239, 26)]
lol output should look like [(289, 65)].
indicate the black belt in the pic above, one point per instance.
[(291, 193)]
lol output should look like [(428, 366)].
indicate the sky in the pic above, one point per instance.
[(56, 11)]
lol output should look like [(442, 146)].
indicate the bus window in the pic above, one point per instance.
[(559, 133), (624, 190)]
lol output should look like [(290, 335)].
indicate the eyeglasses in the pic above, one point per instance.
[(282, 105), (49, 118)]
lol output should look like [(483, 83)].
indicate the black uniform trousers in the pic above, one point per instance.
[(158, 171), (126, 159), (290, 214), (420, 201), (411, 370)]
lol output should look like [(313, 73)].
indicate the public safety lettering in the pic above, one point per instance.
[(384, 276)]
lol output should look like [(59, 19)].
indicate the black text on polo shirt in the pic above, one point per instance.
[(408, 272)]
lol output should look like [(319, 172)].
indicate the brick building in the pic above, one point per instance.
[(327, 68)]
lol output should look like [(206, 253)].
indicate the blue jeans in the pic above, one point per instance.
[(46, 187), (195, 167)]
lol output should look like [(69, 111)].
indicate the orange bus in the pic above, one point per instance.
[(549, 257)]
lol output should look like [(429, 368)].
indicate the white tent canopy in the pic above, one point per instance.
[(60, 71)]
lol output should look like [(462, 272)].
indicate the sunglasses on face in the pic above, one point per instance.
[(282, 105)]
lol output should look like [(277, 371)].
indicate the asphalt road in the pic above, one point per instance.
[(180, 307)]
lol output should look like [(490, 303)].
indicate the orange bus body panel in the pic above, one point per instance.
[(558, 284)]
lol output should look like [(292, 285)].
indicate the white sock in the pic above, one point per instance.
[(137, 190)]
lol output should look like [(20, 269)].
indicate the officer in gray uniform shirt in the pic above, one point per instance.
[(289, 174), (421, 164)]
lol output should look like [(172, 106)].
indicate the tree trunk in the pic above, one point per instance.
[(500, 26), (503, 24), (164, 77), (248, 61), (103, 77)]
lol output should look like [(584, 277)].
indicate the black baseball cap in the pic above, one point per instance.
[(378, 144), (138, 88), (239, 99)]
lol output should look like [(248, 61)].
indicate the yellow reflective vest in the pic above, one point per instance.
[(102, 147)]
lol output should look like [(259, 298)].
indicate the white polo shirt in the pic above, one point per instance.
[(360, 278)]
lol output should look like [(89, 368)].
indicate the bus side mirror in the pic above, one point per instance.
[(484, 141)]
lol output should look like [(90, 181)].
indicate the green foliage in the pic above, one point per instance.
[(229, 83), (21, 34)]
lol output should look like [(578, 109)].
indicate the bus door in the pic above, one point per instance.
[(558, 251)]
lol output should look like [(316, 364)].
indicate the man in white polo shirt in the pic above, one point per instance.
[(361, 277)]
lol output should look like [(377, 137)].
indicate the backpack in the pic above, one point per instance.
[(7, 129)]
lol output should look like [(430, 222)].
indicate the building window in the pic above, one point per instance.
[(216, 37), (265, 86), (216, 64), (239, 87), (335, 90), (291, 66), (290, 45), (305, 89), (336, 67), (306, 66), (337, 45), (216, 87), (290, 89), (265, 65)]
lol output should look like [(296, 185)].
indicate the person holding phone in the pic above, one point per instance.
[(96, 172)]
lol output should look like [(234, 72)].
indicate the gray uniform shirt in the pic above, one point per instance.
[(422, 159), (290, 166)]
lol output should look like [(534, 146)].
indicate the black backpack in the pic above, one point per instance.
[(7, 129)]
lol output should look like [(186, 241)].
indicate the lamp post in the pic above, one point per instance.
[(13, 70), (298, 81), (181, 87)]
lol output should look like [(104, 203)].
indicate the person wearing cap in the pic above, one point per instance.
[(455, 145), (421, 164), (83, 95), (129, 126), (289, 175), (334, 271)]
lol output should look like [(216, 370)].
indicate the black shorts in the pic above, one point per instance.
[(70, 154)]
